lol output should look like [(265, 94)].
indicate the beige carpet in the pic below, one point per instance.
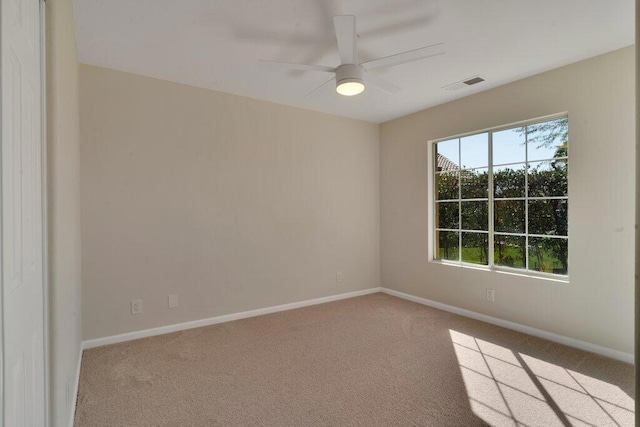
[(370, 361)]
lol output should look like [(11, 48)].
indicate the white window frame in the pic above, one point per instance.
[(490, 200)]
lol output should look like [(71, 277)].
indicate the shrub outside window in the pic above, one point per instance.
[(500, 197)]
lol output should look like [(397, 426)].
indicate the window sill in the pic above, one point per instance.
[(558, 278)]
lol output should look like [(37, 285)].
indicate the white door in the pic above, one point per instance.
[(23, 367)]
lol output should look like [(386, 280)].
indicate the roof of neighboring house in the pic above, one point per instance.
[(446, 165)]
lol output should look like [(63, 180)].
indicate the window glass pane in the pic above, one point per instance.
[(547, 140), (548, 255), (475, 248), (509, 216), (509, 181), (474, 151), (474, 184), (447, 185), (529, 197), (447, 215), (548, 178), (510, 251), (475, 215), (509, 146), (448, 245), (548, 217), (447, 156)]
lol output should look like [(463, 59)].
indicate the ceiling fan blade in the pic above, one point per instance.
[(404, 57), (320, 87), (381, 83), (302, 67), (345, 26)]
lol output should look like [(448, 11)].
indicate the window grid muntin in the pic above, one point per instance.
[(464, 230), (459, 200), (541, 236), (566, 158), (498, 199), (526, 196), (491, 199), (490, 193)]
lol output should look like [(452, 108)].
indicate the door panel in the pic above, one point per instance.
[(21, 215)]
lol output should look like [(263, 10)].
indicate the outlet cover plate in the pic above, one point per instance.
[(173, 301), (491, 295), (136, 306)]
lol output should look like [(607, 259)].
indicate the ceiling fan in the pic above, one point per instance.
[(351, 75)]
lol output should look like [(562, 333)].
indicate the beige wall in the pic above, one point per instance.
[(231, 203), (63, 145), (597, 305), (236, 204)]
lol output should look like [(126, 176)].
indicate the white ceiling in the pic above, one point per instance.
[(217, 44)]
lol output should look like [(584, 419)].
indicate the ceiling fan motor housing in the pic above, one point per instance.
[(347, 73)]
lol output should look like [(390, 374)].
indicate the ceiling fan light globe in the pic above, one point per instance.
[(350, 88)]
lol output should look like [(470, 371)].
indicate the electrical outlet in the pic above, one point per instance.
[(173, 301), (491, 295), (136, 306), (339, 277)]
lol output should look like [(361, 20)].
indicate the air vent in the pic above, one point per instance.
[(473, 81), (464, 83)]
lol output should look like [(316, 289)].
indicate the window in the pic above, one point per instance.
[(500, 197)]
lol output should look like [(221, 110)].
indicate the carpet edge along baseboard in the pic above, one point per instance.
[(551, 336), (529, 330), (144, 333)]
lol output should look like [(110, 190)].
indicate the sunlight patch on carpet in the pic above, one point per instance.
[(507, 388)]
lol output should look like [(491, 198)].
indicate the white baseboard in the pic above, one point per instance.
[(561, 339), (220, 319), (76, 384)]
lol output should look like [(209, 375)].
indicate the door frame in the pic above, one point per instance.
[(45, 209)]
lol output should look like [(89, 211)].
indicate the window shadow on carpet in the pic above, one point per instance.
[(510, 388)]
